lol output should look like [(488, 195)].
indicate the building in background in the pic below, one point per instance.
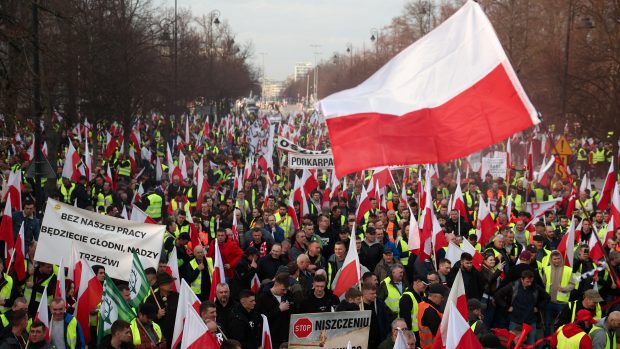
[(272, 89), (302, 69)]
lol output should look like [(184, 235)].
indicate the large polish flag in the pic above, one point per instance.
[(449, 94), (187, 300)]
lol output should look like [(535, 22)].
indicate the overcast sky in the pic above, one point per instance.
[(285, 29)]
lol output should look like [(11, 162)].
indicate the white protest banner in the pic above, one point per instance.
[(330, 330), (496, 166), (99, 239), (304, 161)]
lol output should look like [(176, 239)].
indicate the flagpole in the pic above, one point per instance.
[(8, 269), (155, 298), (144, 329)]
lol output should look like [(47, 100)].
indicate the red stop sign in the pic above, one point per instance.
[(302, 327)]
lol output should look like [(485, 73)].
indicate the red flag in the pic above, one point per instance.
[(134, 138), (349, 275), (477, 256), (6, 228), (266, 338), (235, 227), (426, 220), (596, 249), (363, 207), (309, 181), (111, 146), (193, 232), (218, 272), (266, 196), (485, 223), (202, 184), (187, 300), (459, 334), (335, 185), (447, 70), (382, 176), (614, 210), (137, 215), (108, 177), (88, 297), (196, 335), (610, 180), (172, 268)]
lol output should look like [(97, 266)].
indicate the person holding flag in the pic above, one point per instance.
[(146, 333), (165, 301)]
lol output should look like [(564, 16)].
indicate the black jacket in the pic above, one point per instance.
[(268, 305), (192, 274), (267, 266), (472, 280), (245, 327), (244, 274), (312, 304), (370, 255)]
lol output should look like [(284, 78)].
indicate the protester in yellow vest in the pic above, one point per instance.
[(65, 332), (558, 282), (575, 334), (145, 330)]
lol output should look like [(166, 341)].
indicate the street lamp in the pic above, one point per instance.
[(374, 37), (214, 15)]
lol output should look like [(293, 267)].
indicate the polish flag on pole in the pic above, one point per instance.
[(596, 249), (137, 215), (202, 184), (19, 256), (290, 211), (196, 335), (460, 334), (349, 275), (187, 300), (88, 162), (60, 284), (172, 268), (459, 203), (363, 207), (610, 180), (435, 84), (335, 185), (266, 338), (456, 307), (614, 211), (413, 243), (88, 297), (72, 158), (567, 244), (14, 184), (6, 228), (266, 196), (485, 222), (42, 313), (218, 272)]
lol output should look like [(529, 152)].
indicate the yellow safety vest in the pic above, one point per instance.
[(393, 296), (568, 343), (195, 285), (5, 291), (567, 273), (135, 331), (573, 306), (610, 343), (104, 200), (66, 194), (125, 169), (71, 333), (37, 298), (155, 205), (414, 311), (598, 156)]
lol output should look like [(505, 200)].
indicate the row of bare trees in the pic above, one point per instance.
[(116, 59), (566, 53)]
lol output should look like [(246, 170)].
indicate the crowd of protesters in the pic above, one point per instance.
[(522, 280)]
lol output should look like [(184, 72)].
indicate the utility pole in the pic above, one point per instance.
[(37, 108), (316, 70)]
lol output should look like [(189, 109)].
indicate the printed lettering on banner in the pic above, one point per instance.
[(496, 166), (330, 330), (303, 161), (98, 239)]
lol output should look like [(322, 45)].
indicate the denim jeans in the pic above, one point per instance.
[(531, 336), (552, 310)]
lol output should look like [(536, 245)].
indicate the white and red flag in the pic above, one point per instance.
[(137, 215), (363, 207), (60, 291), (485, 222), (187, 300), (6, 228), (172, 268), (255, 283), (72, 159), (608, 187), (567, 244), (266, 337), (459, 203), (349, 275), (14, 184), (290, 211), (449, 94), (88, 297), (19, 255), (42, 313), (218, 271), (196, 335), (454, 331)]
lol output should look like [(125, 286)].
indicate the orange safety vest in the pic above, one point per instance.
[(390, 231), (426, 336)]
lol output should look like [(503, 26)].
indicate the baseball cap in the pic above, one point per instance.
[(585, 315), (593, 295)]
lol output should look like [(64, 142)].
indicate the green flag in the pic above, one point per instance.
[(138, 283), (113, 307)]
